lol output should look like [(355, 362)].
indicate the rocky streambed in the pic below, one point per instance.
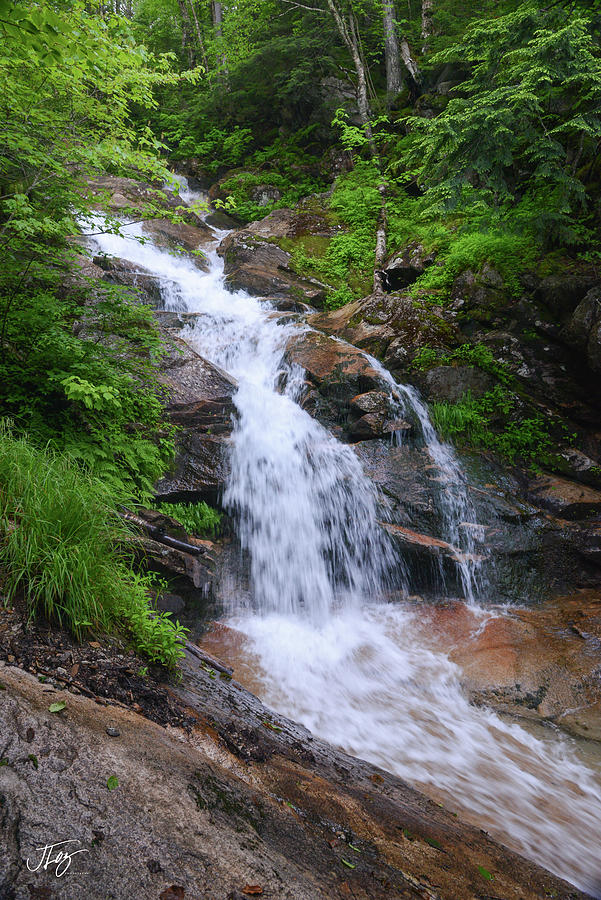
[(227, 797)]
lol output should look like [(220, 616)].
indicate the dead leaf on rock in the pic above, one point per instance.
[(95, 644), (175, 892), (252, 890)]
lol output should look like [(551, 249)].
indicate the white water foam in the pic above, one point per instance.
[(329, 653)]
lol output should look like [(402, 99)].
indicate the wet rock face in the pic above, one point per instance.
[(188, 563), (118, 193), (345, 392), (181, 238), (263, 269), (200, 403), (564, 498), (242, 804), (451, 383), (538, 663), (121, 271), (371, 416), (583, 331)]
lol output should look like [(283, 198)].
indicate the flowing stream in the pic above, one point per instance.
[(324, 647)]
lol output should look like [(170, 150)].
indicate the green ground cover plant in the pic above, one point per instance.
[(197, 518), (495, 422)]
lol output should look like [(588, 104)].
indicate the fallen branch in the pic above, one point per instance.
[(157, 534), (208, 660)]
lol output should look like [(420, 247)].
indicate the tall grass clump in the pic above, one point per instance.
[(64, 547)]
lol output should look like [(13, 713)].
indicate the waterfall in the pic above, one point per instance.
[(327, 649), (457, 512)]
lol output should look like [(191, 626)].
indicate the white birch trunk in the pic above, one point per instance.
[(427, 23), (391, 49)]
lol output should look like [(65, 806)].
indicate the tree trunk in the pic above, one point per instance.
[(186, 32), (414, 76), (217, 12), (380, 254), (391, 49), (427, 23), (348, 33), (199, 37)]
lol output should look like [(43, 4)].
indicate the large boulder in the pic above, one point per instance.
[(371, 416), (235, 806), (181, 238), (117, 193), (562, 293), (482, 290), (389, 326), (200, 403), (122, 271), (254, 262), (404, 267), (344, 390)]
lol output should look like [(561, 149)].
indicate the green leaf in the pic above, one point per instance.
[(348, 864), (57, 707), (112, 782), (433, 843), (485, 873)]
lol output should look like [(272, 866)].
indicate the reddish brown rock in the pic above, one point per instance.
[(539, 663), (255, 806), (564, 498)]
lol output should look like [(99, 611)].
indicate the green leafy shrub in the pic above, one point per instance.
[(292, 186), (63, 545), (495, 423), (76, 360), (346, 261), (508, 253), (197, 518), (93, 394)]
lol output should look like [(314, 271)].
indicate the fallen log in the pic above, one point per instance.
[(161, 536)]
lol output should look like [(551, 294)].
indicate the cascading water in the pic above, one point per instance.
[(457, 512), (327, 650)]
